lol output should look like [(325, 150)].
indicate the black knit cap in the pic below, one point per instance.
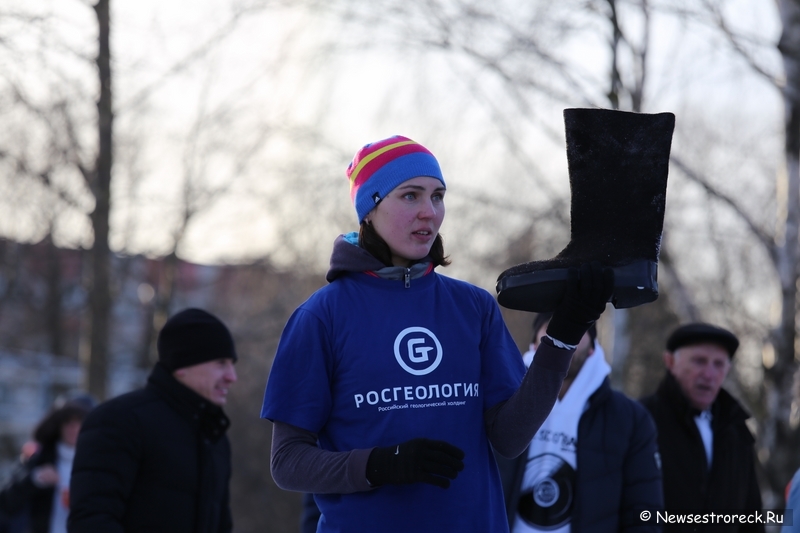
[(191, 337), (699, 332)]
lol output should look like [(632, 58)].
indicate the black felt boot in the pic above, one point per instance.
[(618, 163)]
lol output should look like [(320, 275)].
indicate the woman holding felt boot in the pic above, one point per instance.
[(392, 384)]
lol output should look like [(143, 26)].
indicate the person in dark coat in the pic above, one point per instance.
[(707, 451), (157, 460), (593, 465), (35, 498)]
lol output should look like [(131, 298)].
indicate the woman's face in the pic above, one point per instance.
[(409, 217), (69, 432)]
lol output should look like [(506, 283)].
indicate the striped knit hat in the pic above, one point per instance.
[(379, 167)]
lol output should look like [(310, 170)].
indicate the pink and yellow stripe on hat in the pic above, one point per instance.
[(379, 167)]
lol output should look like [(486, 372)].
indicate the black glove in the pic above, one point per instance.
[(429, 461), (584, 301)]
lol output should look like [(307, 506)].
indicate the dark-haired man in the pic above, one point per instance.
[(593, 465), (157, 460), (706, 448)]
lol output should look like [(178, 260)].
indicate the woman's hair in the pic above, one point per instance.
[(369, 240), (48, 431)]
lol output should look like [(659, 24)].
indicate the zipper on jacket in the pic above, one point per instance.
[(407, 278)]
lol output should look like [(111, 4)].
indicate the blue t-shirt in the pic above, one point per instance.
[(791, 516), (367, 362)]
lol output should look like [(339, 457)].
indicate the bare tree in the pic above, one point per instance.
[(73, 170), (99, 179), (787, 261), (778, 436)]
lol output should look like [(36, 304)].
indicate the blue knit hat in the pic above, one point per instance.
[(379, 167)]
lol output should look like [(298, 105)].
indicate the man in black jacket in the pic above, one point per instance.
[(593, 465), (706, 448), (157, 460)]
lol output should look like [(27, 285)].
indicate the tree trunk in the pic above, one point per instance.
[(96, 370), (53, 311), (165, 294), (778, 378)]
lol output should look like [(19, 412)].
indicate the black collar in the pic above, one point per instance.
[(209, 418), (724, 410)]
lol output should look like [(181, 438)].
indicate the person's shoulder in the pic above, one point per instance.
[(126, 404), (465, 287), (730, 406), (328, 293), (622, 399), (624, 404), (322, 302), (733, 414), (455, 282), (114, 419), (631, 420)]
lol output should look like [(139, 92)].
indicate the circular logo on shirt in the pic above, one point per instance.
[(548, 492), (418, 351)]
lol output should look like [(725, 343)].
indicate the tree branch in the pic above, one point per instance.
[(766, 240)]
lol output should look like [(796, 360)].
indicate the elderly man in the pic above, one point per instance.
[(706, 448), (157, 460)]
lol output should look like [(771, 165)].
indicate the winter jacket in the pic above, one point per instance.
[(730, 485), (154, 460), (618, 474), (29, 505)]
